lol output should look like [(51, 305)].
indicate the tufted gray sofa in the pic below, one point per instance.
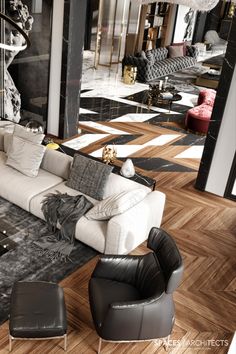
[(155, 62)]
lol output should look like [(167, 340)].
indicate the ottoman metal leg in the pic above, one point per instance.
[(10, 343), (65, 342)]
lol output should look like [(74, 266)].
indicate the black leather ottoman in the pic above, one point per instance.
[(37, 311)]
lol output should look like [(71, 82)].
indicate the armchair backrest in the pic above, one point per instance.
[(168, 256)]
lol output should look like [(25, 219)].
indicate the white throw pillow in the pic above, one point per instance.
[(23, 133), (116, 204), (25, 156)]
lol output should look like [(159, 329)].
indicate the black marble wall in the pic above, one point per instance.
[(71, 72), (219, 107)]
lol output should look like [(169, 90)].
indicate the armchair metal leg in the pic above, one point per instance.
[(10, 343), (99, 345), (166, 343)]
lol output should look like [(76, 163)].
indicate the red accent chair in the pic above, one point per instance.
[(198, 118)]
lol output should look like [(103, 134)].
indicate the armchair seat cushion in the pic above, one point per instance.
[(115, 292)]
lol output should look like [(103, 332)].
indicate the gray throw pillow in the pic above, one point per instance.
[(25, 156), (23, 133), (89, 176)]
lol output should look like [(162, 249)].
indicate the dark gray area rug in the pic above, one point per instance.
[(19, 260)]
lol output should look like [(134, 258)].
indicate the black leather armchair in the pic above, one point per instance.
[(131, 296)]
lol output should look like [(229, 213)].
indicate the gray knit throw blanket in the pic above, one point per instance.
[(66, 210)]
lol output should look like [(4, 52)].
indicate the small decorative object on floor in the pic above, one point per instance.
[(34, 126), (109, 154), (165, 83), (166, 95), (127, 169), (130, 74)]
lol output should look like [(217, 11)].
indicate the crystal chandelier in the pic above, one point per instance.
[(201, 5)]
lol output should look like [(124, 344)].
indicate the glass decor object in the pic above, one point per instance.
[(127, 169), (34, 126)]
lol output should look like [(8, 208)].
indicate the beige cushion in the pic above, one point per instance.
[(57, 163), (25, 156), (23, 133), (176, 51), (116, 204), (7, 142), (1, 139), (20, 189), (117, 184)]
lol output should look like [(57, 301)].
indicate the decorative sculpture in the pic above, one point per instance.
[(109, 154), (127, 169), (15, 42)]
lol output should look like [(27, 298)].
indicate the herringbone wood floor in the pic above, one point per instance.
[(204, 227)]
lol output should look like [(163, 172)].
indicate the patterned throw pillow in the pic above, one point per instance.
[(116, 204), (89, 176)]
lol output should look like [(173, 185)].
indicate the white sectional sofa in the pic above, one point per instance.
[(119, 235)]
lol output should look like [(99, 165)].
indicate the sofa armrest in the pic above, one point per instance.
[(129, 229)]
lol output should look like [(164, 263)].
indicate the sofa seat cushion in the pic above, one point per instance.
[(91, 232), (20, 189)]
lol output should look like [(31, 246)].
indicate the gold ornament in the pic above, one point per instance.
[(109, 154)]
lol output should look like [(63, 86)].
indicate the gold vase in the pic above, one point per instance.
[(130, 74)]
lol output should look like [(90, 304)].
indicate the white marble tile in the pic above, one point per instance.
[(86, 111), (104, 81), (194, 152), (161, 140), (122, 150), (104, 128), (84, 140), (135, 117), (188, 99)]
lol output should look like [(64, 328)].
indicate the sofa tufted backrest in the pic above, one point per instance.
[(157, 54)]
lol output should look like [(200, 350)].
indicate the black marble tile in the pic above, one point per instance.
[(85, 90), (107, 109), (167, 117), (176, 129), (158, 164), (122, 139), (190, 139)]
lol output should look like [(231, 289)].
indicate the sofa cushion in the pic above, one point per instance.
[(176, 51), (25, 156), (20, 189), (89, 176), (117, 184), (116, 204), (25, 134), (1, 139), (91, 232), (57, 163)]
